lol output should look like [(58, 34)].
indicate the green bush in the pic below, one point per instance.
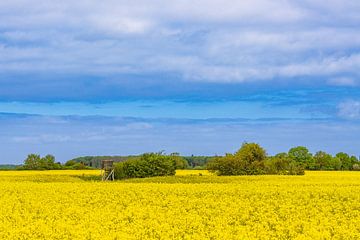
[(70, 163), (278, 164), (180, 162), (283, 164), (251, 159), (248, 160), (79, 166), (35, 162), (147, 165)]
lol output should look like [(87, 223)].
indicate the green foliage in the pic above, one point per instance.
[(95, 161), (278, 164), (32, 161), (283, 164), (251, 156), (35, 162), (48, 162), (227, 165), (183, 162), (198, 161), (335, 163), (295, 169), (79, 166), (301, 156), (147, 165), (251, 159), (248, 160), (180, 162), (323, 161), (347, 162), (8, 166), (70, 163)]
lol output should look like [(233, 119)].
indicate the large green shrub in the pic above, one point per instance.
[(248, 160), (180, 162), (283, 164), (251, 159), (147, 165)]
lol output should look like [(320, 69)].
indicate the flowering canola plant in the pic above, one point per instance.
[(61, 205)]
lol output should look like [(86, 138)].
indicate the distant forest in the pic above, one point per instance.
[(8, 166)]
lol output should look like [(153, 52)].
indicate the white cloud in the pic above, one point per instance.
[(349, 110), (195, 68), (342, 81), (207, 40), (286, 41), (229, 10), (113, 25), (43, 138)]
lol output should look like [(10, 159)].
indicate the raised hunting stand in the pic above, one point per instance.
[(107, 170)]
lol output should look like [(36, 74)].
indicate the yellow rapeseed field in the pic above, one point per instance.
[(191, 205)]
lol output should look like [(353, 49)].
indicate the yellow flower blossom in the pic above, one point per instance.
[(62, 205)]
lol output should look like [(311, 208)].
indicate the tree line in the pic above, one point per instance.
[(251, 159), (36, 162), (321, 160)]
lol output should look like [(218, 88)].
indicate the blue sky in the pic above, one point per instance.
[(195, 77)]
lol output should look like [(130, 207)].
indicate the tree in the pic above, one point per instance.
[(48, 162), (252, 156), (147, 165), (277, 164), (323, 161), (70, 163), (346, 163), (354, 161), (302, 156), (282, 164), (227, 165), (335, 163), (32, 161), (79, 166), (35, 162), (180, 162), (248, 160), (251, 159)]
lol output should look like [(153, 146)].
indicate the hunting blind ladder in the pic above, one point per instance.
[(107, 170)]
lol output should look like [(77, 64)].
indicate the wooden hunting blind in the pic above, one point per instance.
[(107, 169)]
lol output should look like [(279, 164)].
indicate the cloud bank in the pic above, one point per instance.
[(203, 40)]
